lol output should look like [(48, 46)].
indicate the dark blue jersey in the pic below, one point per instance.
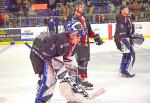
[(124, 26), (47, 48)]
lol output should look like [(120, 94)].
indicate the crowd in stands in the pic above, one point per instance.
[(19, 12)]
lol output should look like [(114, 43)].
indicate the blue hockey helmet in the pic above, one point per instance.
[(74, 26)]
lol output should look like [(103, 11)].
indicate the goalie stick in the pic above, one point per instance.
[(72, 83), (75, 86), (34, 50), (81, 91)]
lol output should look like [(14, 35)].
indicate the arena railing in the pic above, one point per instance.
[(43, 21)]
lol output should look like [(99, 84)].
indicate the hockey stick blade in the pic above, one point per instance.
[(96, 93)]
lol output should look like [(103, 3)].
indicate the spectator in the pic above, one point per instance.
[(105, 9), (91, 9), (65, 9), (11, 24), (25, 8), (97, 18), (95, 10), (146, 6), (135, 6), (117, 2), (6, 18), (111, 7), (103, 19), (64, 22), (56, 20), (124, 2), (10, 5), (1, 19), (51, 26)]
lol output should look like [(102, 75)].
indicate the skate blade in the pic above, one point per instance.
[(126, 76), (87, 88)]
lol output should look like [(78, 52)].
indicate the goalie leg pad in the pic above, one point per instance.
[(47, 85), (125, 45), (59, 67)]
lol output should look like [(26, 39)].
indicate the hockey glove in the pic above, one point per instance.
[(137, 39), (98, 40)]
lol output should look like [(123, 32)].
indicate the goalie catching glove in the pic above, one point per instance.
[(137, 39)]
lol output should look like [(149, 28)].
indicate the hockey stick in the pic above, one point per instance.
[(76, 87), (27, 45), (81, 91), (34, 50)]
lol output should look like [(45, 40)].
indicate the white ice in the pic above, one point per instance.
[(18, 81)]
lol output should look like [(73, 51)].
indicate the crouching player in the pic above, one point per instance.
[(47, 58)]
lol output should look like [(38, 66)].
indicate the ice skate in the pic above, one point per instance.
[(86, 85), (126, 73)]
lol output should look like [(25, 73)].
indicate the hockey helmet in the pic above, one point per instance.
[(123, 7), (74, 26), (137, 39), (79, 2)]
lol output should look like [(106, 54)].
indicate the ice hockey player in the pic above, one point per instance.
[(124, 37), (83, 50), (47, 58)]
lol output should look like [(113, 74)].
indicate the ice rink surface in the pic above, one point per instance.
[(18, 81)]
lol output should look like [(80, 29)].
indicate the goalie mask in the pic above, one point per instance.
[(138, 39)]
